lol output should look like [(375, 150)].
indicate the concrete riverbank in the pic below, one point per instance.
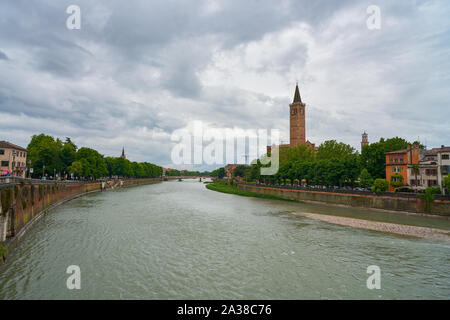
[(386, 201)]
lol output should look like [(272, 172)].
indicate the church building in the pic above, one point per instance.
[(297, 124)]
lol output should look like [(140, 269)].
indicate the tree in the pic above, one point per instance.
[(219, 173), (240, 171), (415, 169), (45, 151), (396, 180), (365, 179), (332, 149), (373, 156), (298, 153), (380, 185), (76, 169), (446, 183)]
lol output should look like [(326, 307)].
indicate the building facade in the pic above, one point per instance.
[(443, 158), (397, 163), (13, 159), (419, 168)]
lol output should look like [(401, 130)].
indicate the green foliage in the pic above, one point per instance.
[(332, 149), (446, 182), (6, 200), (365, 179), (222, 186), (3, 251), (41, 191), (298, 153), (373, 156), (219, 173), (83, 162), (32, 194), (24, 204), (125, 168), (429, 197), (380, 185), (396, 180), (240, 171)]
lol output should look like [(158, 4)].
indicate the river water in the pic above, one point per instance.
[(178, 240)]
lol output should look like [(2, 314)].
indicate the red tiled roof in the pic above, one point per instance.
[(6, 144)]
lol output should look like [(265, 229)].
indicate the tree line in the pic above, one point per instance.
[(49, 156), (333, 164)]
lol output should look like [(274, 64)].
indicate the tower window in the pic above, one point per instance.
[(294, 111), (301, 110)]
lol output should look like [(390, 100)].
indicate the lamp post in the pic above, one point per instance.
[(54, 173), (14, 161), (29, 168), (43, 171)]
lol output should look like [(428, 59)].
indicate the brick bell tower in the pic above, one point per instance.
[(297, 120)]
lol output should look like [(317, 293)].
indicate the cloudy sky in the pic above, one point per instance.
[(138, 70)]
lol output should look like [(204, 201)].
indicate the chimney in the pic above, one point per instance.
[(442, 146)]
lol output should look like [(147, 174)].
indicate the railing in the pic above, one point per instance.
[(18, 180)]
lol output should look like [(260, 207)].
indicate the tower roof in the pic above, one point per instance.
[(297, 97)]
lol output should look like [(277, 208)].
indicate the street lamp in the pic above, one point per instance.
[(14, 161), (29, 168), (43, 171), (54, 173)]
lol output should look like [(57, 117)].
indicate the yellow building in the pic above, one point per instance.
[(13, 159)]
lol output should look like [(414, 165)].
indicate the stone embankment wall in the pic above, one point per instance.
[(23, 203), (386, 201)]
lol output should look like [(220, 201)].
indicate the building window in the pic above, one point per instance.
[(445, 170), (5, 163), (294, 111), (301, 110), (2, 151), (445, 156)]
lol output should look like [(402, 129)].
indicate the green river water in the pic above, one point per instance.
[(178, 240)]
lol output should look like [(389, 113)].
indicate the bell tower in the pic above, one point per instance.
[(364, 140), (297, 120)]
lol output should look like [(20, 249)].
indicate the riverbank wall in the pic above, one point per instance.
[(386, 201), (22, 204)]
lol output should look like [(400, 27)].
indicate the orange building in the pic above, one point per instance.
[(397, 163)]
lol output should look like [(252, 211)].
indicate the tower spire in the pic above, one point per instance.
[(123, 153), (297, 97)]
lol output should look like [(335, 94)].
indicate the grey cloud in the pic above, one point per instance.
[(3, 56), (137, 66)]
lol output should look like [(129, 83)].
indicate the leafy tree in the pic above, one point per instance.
[(76, 169), (446, 182), (380, 185), (240, 171), (365, 179), (396, 180), (373, 156), (298, 153), (332, 149), (219, 173), (45, 151)]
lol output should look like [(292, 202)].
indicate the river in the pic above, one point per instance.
[(178, 240)]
